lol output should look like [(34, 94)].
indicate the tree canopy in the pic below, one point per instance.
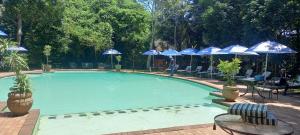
[(79, 30)]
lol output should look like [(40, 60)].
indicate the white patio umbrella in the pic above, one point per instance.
[(2, 33), (170, 53), (210, 51), (191, 52), (237, 50), (17, 48), (151, 53), (270, 47), (111, 52)]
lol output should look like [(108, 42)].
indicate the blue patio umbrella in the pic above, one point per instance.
[(2, 33), (111, 52), (191, 52), (236, 50), (210, 51), (151, 53), (17, 49), (170, 53), (270, 47)]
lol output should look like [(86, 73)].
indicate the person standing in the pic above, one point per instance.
[(172, 66)]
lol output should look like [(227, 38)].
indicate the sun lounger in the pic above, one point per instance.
[(266, 74), (209, 69), (188, 69), (73, 65), (86, 65), (261, 78), (248, 74), (277, 84), (176, 68), (198, 69)]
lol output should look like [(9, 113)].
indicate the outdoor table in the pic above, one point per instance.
[(234, 124), (250, 82)]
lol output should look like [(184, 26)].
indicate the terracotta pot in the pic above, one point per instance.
[(118, 68), (230, 93), (19, 104)]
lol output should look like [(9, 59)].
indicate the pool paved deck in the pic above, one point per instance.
[(7, 74), (286, 108), (21, 125), (204, 129)]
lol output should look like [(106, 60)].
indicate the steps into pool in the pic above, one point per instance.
[(216, 94), (175, 108)]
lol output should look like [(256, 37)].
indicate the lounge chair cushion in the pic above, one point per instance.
[(269, 120), (248, 110), (259, 77)]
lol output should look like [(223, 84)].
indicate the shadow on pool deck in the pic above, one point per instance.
[(18, 125)]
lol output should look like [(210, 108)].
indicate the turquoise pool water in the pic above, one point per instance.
[(145, 101)]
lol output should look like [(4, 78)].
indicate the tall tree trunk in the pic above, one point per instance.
[(175, 31), (95, 54), (152, 33), (47, 60), (298, 45), (151, 43), (19, 29), (133, 63), (298, 37)]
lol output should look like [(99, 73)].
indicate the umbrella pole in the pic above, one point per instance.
[(211, 64), (175, 60), (235, 57), (111, 61), (191, 61), (153, 61), (266, 66)]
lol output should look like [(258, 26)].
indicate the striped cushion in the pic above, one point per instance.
[(248, 110), (270, 120)]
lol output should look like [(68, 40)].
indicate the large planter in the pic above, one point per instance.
[(19, 104), (230, 93), (118, 68)]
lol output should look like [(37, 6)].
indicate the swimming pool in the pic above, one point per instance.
[(104, 98)]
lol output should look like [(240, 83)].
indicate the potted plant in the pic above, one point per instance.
[(229, 69), (47, 53), (118, 66), (19, 99)]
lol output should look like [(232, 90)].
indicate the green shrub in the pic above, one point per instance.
[(21, 85), (47, 51), (229, 69), (119, 58)]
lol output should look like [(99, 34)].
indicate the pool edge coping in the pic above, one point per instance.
[(30, 122), (177, 77), (160, 130)]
